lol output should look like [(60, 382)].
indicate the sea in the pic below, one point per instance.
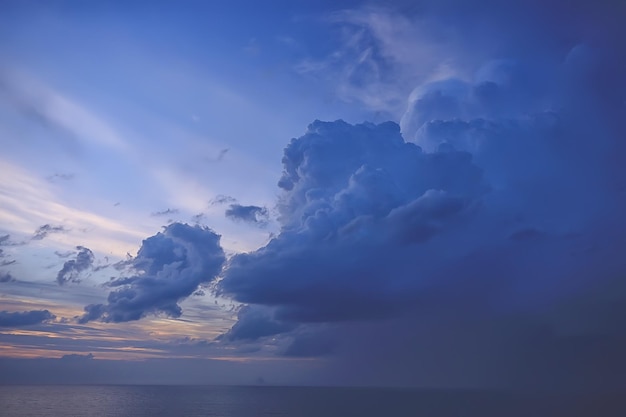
[(266, 401)]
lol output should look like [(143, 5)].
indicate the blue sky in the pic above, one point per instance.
[(393, 193)]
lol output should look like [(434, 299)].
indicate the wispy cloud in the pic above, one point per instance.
[(166, 212), (60, 177), (222, 199), (27, 203), (66, 254), (51, 109), (43, 231), (379, 54), (220, 156)]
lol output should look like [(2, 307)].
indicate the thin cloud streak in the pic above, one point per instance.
[(44, 105)]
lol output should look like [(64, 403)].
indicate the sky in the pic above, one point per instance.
[(400, 193)]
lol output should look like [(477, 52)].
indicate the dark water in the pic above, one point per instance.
[(213, 401)]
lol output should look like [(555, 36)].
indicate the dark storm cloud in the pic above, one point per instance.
[(25, 318), (479, 240), (311, 343), (358, 201), (249, 214), (43, 231), (72, 269), (254, 322), (169, 267)]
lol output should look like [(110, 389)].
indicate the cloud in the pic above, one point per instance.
[(4, 240), (502, 194), (43, 231), (250, 214), (499, 204), (311, 344), (54, 111), (167, 212), (359, 206), (222, 199), (75, 357), (60, 176), (380, 52), (222, 154), (28, 202), (6, 277), (5, 262), (168, 268), (467, 250), (198, 218), (63, 255), (254, 322), (25, 318), (125, 263), (74, 267)]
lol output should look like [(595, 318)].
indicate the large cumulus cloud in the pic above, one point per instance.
[(358, 202), (168, 268), (464, 246)]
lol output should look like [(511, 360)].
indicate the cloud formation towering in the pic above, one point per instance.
[(495, 212), (357, 202)]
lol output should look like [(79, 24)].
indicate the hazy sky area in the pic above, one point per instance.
[(396, 193)]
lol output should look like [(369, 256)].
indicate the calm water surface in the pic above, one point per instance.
[(212, 401)]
